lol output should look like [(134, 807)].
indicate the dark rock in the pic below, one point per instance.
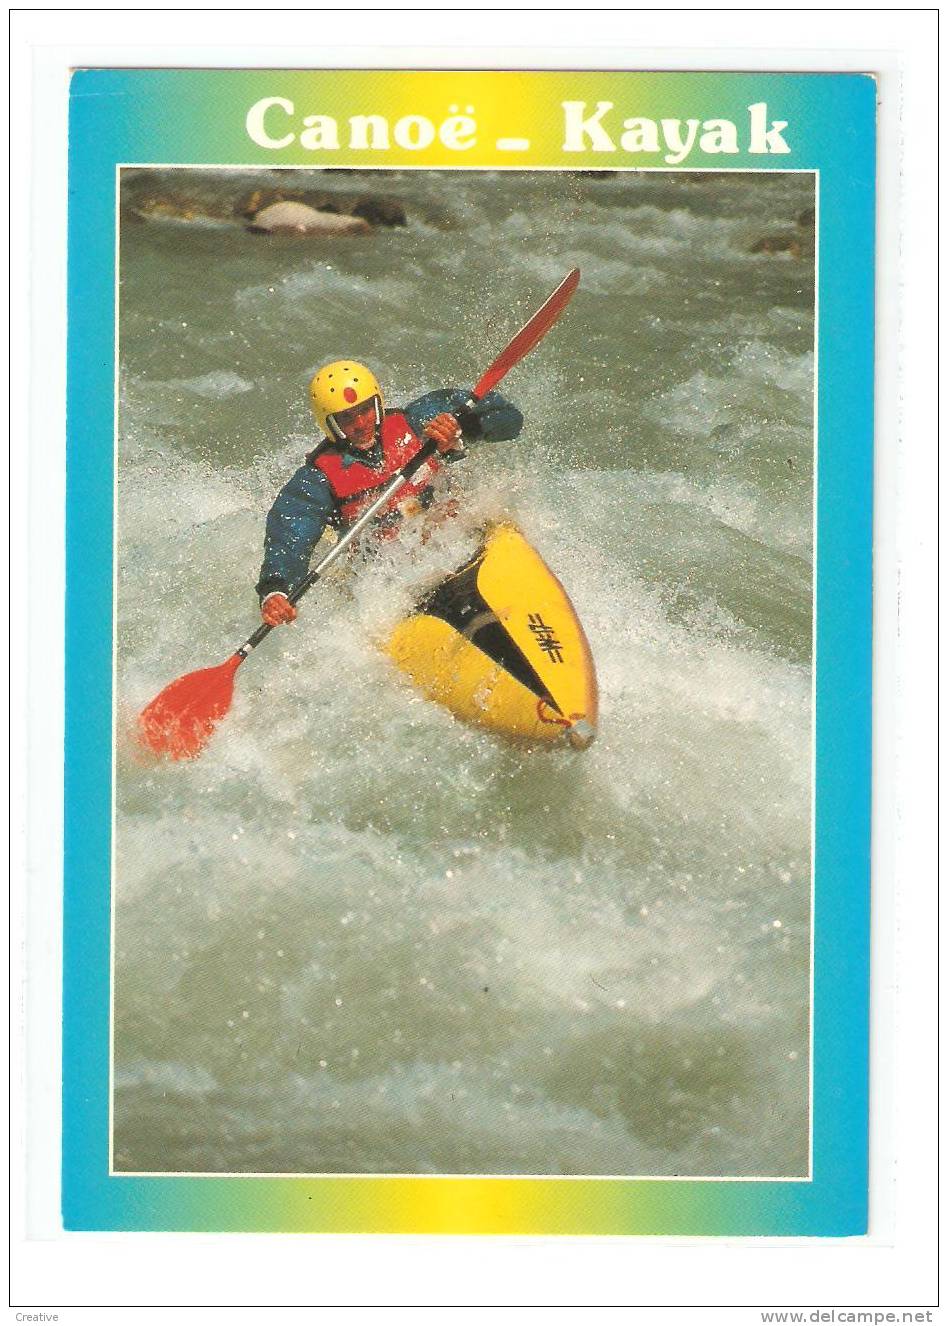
[(130, 217), (806, 219), (774, 244), (179, 207), (380, 211), (700, 176)]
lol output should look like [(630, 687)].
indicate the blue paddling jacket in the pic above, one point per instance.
[(306, 505)]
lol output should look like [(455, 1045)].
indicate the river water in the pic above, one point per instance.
[(356, 936)]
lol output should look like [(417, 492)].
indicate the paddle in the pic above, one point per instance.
[(180, 720)]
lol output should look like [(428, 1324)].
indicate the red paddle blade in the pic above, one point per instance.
[(529, 335), (180, 720)]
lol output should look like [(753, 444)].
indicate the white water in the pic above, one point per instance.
[(358, 936)]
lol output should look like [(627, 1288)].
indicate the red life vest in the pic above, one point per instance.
[(354, 484)]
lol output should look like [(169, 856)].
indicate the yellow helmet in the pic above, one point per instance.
[(340, 386)]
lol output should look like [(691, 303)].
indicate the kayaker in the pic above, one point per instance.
[(363, 447)]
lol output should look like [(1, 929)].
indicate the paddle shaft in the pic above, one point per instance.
[(346, 539), (529, 335)]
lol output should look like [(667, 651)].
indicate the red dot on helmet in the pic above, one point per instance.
[(350, 394)]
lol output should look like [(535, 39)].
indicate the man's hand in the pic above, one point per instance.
[(276, 610), (446, 431)]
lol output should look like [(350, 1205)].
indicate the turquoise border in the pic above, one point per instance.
[(184, 115)]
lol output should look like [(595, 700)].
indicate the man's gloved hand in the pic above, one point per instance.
[(446, 431), (470, 421), (276, 610)]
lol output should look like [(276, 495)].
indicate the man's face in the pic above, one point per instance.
[(358, 424)]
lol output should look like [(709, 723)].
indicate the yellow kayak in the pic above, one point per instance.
[(499, 644)]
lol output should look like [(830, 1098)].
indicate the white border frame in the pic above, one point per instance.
[(895, 1264), (113, 836)]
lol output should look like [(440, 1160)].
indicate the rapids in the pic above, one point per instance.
[(355, 936)]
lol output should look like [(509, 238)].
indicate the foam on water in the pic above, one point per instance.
[(359, 936)]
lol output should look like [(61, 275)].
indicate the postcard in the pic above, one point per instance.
[(468, 651)]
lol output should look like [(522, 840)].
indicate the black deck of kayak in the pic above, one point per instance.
[(459, 602)]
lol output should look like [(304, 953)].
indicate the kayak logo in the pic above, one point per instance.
[(545, 637)]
